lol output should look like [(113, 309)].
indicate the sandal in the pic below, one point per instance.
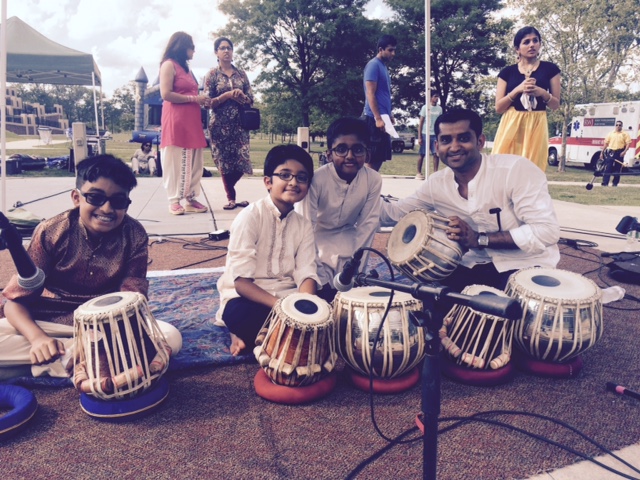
[(242, 204), (229, 206)]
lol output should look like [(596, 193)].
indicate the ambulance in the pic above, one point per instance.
[(589, 128)]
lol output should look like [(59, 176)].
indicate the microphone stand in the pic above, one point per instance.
[(429, 294)]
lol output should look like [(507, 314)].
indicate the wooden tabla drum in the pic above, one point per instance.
[(477, 345), (562, 318), (401, 344), (120, 350), (298, 346), (418, 246)]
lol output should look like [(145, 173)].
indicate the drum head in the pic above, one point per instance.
[(373, 296), (553, 283), (111, 302), (408, 236), (304, 309)]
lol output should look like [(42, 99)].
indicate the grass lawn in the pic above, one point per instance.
[(403, 164)]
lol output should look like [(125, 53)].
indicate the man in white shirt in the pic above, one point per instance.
[(499, 207)]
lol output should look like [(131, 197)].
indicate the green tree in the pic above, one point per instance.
[(407, 70), (312, 49), (467, 44)]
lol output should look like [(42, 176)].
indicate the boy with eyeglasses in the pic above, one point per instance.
[(271, 251), (343, 203), (88, 251)]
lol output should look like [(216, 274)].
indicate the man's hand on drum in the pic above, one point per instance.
[(462, 233), (45, 349)]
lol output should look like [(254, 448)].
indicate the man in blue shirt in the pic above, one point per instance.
[(377, 90)]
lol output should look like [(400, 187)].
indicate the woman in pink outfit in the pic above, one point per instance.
[(183, 140)]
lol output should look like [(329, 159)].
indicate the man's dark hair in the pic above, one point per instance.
[(348, 126), (386, 40), (281, 153), (457, 115), (105, 166)]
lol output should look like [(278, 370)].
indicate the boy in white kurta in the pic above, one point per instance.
[(343, 203), (271, 249)]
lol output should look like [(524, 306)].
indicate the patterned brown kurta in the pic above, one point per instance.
[(79, 268)]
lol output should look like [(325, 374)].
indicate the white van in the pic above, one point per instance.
[(585, 137)]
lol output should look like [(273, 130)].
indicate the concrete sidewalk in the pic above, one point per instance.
[(47, 196)]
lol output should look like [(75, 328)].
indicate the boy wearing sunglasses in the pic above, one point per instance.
[(343, 203), (271, 251), (88, 251)]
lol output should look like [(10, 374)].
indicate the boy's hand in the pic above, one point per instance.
[(45, 349)]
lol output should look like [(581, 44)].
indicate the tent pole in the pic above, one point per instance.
[(3, 103), (102, 109), (95, 107)]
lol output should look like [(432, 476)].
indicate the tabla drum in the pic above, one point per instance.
[(298, 347), (400, 348), (120, 350), (418, 246), (562, 318), (477, 345)]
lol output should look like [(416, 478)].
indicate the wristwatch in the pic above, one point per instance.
[(483, 240)]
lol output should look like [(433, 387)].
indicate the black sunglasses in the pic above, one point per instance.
[(117, 202)]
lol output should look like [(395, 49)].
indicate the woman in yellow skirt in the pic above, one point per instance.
[(525, 91)]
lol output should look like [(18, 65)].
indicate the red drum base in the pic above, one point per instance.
[(474, 376), (386, 385), (541, 368), (293, 395)]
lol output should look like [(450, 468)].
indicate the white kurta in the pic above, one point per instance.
[(278, 254), (345, 216), (509, 182)]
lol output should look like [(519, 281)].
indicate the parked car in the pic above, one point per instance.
[(406, 141)]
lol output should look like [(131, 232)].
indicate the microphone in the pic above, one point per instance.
[(30, 277), (503, 307), (343, 281)]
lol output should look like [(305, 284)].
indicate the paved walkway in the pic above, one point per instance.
[(46, 196)]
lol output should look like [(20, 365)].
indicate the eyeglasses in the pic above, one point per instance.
[(287, 176), (226, 49), (343, 150), (117, 202), (618, 124)]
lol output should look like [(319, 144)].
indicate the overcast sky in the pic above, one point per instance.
[(124, 35)]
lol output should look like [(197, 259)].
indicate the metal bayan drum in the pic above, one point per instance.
[(418, 246), (401, 345), (477, 340), (562, 313), (120, 349), (298, 347)]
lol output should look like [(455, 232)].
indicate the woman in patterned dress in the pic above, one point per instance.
[(229, 90)]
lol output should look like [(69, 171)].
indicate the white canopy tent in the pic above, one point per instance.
[(27, 56)]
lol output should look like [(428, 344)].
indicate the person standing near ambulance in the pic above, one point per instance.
[(617, 143)]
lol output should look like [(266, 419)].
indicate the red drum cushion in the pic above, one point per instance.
[(387, 385), (292, 395), (568, 369), (475, 376)]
